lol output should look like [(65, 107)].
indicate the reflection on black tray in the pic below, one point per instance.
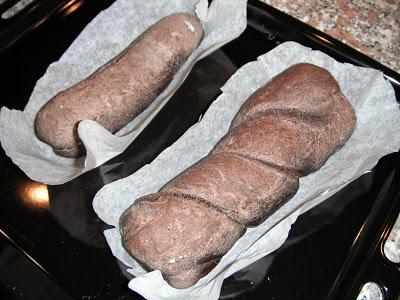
[(329, 250)]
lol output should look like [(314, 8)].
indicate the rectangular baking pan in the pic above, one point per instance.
[(331, 250)]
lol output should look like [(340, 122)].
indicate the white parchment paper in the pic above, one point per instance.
[(376, 134), (107, 35)]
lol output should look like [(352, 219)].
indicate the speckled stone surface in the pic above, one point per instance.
[(392, 244), (370, 26), (370, 291)]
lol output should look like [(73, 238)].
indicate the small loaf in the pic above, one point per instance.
[(121, 89), (285, 130)]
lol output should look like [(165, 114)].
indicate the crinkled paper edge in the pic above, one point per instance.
[(37, 159)]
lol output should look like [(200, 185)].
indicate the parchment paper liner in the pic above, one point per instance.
[(376, 135), (104, 37)]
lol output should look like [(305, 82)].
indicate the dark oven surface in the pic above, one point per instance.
[(331, 250)]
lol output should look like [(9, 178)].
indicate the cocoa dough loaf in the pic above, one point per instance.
[(120, 90), (285, 130)]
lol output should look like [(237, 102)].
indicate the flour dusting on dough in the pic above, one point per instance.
[(190, 26)]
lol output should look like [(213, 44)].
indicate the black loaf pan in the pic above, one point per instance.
[(331, 251)]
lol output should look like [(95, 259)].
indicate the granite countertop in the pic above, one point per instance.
[(370, 26)]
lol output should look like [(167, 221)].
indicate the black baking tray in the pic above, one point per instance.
[(331, 251)]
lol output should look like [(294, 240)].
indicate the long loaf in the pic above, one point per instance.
[(121, 89), (285, 130)]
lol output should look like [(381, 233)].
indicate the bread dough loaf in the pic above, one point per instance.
[(120, 90), (285, 130)]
